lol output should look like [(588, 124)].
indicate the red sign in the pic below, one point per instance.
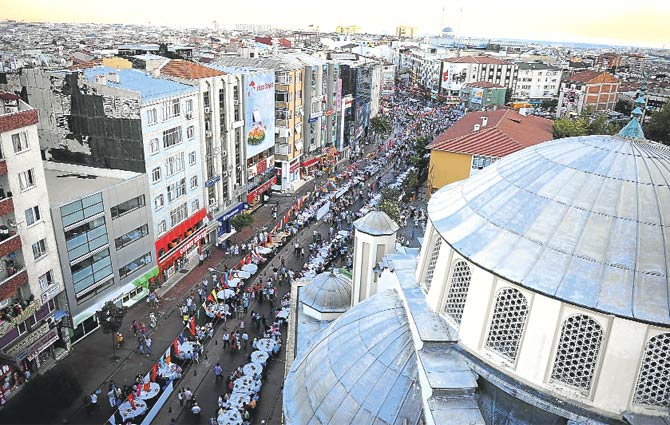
[(261, 166), (260, 189), (193, 240), (330, 112), (295, 166), (445, 75)]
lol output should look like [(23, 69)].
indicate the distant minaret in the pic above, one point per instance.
[(374, 237)]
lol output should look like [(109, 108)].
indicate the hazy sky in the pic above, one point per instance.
[(634, 22)]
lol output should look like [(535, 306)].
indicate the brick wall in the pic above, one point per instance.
[(17, 120)]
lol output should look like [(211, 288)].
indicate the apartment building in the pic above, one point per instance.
[(104, 235), (221, 119), (32, 302), (537, 81), (587, 91), (469, 69), (424, 67)]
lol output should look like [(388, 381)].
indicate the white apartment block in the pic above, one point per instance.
[(537, 81), (470, 69)]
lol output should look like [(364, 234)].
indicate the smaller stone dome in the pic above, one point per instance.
[(328, 292), (376, 223), (447, 30)]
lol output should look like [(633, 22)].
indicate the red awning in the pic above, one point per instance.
[(310, 162)]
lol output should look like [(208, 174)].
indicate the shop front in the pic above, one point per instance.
[(225, 229), (255, 197), (288, 173), (309, 167), (181, 245)]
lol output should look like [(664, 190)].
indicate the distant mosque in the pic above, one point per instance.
[(540, 295)]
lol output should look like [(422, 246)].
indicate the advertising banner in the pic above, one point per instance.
[(477, 95), (259, 113)]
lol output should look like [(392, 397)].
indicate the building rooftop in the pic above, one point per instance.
[(483, 85), (537, 66), (188, 70), (376, 223), (591, 77), (581, 219), (506, 131), (328, 292), (488, 60), (148, 87), (68, 182)]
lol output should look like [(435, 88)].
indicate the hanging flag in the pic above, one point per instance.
[(181, 338), (131, 400), (154, 372), (175, 344), (192, 325), (248, 259), (213, 294), (286, 218)]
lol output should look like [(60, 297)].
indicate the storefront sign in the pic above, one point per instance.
[(329, 112), (42, 344), (212, 181), (224, 220), (28, 311), (20, 350), (313, 119), (251, 172), (294, 166), (260, 189), (51, 292), (310, 162), (338, 97), (261, 167), (193, 241)]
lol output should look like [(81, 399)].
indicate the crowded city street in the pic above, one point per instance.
[(210, 349)]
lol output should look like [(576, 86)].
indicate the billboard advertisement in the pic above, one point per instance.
[(477, 95), (259, 112)]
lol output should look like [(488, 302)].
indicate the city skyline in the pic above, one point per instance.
[(621, 23)]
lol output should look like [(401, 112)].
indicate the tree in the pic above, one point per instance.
[(389, 203), (110, 318), (380, 126), (623, 106), (549, 103), (241, 221), (600, 125), (658, 127)]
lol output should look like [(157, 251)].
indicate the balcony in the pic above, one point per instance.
[(282, 87), (12, 282), (28, 311), (3, 167), (6, 206), (9, 242)]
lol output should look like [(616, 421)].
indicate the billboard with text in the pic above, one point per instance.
[(259, 112)]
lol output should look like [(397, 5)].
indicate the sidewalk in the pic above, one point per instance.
[(91, 357)]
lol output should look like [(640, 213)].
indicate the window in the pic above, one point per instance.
[(188, 106), (194, 182), (653, 383), (458, 291), (39, 249), (128, 206), (162, 227), (195, 206), (156, 174), (171, 137), (159, 201), (174, 164), (152, 116), (20, 142), (178, 214), (577, 352), (153, 146), (79, 210), (135, 265), (283, 96), (507, 323), (85, 238), (176, 189), (32, 215), (131, 237), (190, 132), (90, 272), (428, 279), (191, 158), (27, 179), (170, 109), (46, 280)]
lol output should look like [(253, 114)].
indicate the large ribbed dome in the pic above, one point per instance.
[(582, 219), (328, 292), (361, 369)]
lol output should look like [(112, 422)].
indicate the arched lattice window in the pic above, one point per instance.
[(428, 280), (577, 352), (507, 323), (458, 291), (653, 384)]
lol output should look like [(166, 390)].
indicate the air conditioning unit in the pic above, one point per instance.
[(208, 133), (224, 174), (207, 110), (224, 154), (189, 115)]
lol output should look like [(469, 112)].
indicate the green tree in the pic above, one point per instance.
[(110, 317), (549, 103), (600, 125), (658, 127), (570, 127), (389, 203), (241, 221), (623, 106)]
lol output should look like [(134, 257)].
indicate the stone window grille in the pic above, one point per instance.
[(458, 291), (507, 323), (428, 280), (653, 383), (577, 353)]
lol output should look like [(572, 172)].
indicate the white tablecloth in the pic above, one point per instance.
[(241, 274), (232, 283), (283, 313), (246, 385), (250, 268), (230, 417), (168, 372), (185, 350), (265, 344), (225, 294), (264, 251), (238, 399), (259, 357), (251, 369), (153, 391), (127, 411)]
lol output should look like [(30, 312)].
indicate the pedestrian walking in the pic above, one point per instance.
[(147, 342), (188, 395), (180, 397), (218, 372)]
